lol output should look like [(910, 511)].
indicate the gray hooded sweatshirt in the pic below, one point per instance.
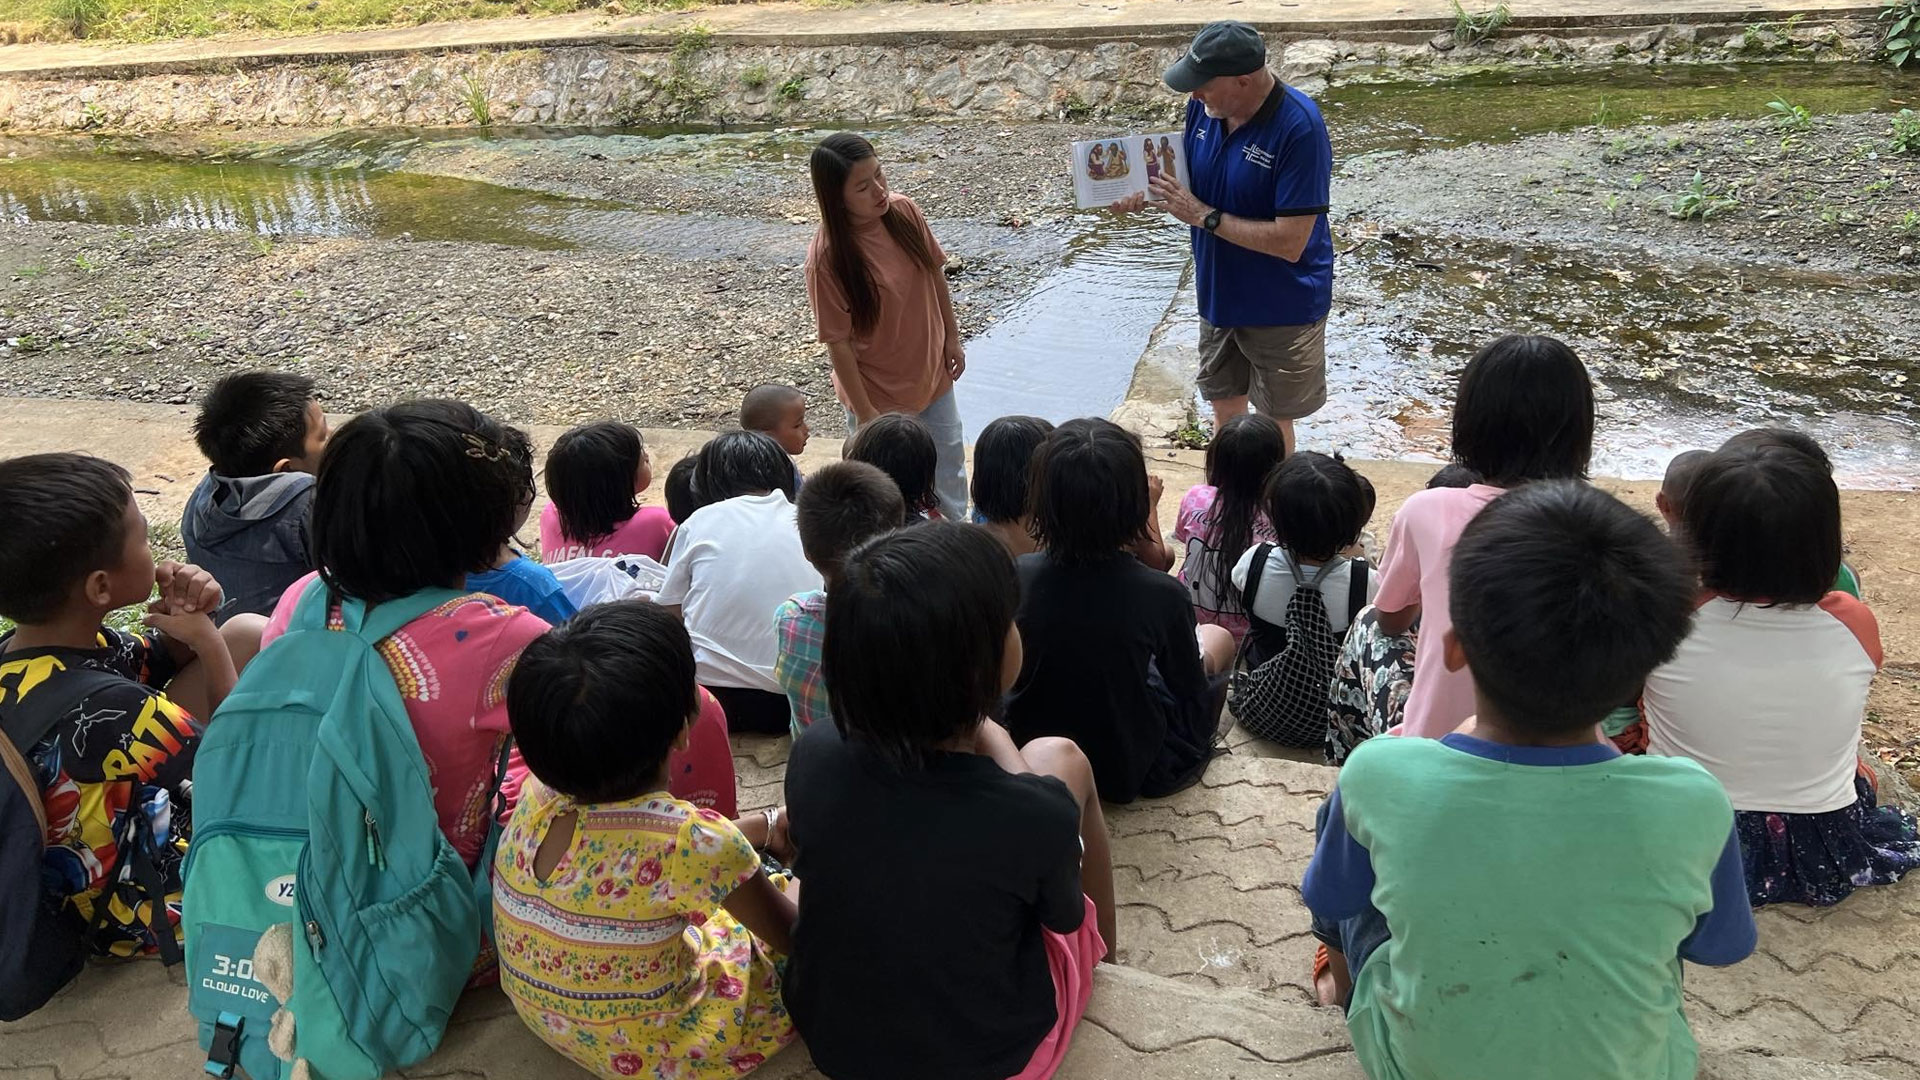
[(252, 533)]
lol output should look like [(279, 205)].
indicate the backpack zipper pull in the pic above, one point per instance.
[(376, 858)]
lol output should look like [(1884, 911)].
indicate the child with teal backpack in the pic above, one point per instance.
[(338, 904)]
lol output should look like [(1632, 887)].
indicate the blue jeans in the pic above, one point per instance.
[(950, 473), (1354, 937)]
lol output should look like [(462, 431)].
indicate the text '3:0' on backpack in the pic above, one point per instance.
[(1285, 695), (330, 925), (43, 940)]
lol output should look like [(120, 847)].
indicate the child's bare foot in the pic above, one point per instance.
[(1332, 985)]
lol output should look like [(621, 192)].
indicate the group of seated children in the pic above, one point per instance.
[(964, 697)]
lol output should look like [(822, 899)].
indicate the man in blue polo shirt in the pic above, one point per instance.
[(1261, 168)]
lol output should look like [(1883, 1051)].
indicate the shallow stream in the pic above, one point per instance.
[(1686, 352)]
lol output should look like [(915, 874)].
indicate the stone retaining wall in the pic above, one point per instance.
[(695, 78)]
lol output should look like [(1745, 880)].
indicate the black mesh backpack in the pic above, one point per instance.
[(1281, 685)]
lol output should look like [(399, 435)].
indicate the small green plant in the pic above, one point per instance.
[(1076, 109), (1701, 202), (691, 42), (1789, 115), (1603, 116), (92, 116), (755, 77), (1611, 204), (1474, 27), (86, 264), (793, 89), (29, 273), (336, 76), (80, 17), (1191, 434), (1908, 224), (1902, 43), (1906, 132), (1878, 186), (474, 96), (261, 246)]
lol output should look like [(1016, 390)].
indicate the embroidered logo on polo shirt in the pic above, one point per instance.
[(1258, 156)]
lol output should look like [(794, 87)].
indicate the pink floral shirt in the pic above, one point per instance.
[(1196, 528)]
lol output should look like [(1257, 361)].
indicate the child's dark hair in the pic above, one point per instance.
[(250, 422), (741, 463), (1564, 599), (66, 516), (682, 499), (1679, 476), (1318, 505), (843, 506), (763, 407), (597, 702), (1764, 524), (1243, 453), (1089, 491), (916, 631), (519, 447), (1455, 475), (1524, 412), (1798, 441), (1002, 464), (590, 473), (902, 447), (413, 496)]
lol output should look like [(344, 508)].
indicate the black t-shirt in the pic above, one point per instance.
[(1112, 663), (918, 950)]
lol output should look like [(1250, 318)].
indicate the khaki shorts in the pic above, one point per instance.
[(1283, 369)]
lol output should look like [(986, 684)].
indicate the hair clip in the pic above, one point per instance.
[(480, 449)]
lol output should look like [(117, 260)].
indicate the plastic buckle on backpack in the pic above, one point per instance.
[(224, 1053)]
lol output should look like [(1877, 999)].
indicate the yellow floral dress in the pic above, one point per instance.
[(624, 960)]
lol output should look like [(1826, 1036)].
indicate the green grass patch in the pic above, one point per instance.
[(149, 20)]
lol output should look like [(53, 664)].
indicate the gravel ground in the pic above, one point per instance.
[(538, 336), (1835, 197)]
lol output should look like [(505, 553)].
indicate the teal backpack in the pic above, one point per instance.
[(330, 925)]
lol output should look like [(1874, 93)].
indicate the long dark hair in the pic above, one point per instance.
[(1242, 454), (831, 162), (917, 627), (1524, 412), (590, 475)]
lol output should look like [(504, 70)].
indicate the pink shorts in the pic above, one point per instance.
[(1071, 958)]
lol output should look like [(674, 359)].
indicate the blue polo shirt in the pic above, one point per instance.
[(1278, 164)]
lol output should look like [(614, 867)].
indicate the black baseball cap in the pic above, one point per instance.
[(1221, 48)]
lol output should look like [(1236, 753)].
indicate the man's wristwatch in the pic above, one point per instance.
[(1211, 221)]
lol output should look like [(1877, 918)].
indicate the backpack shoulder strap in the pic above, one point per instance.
[(1255, 571), (23, 775), (1356, 589), (383, 620)]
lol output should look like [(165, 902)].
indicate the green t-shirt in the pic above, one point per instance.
[(1537, 911)]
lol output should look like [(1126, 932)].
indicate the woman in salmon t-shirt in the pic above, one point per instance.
[(876, 278)]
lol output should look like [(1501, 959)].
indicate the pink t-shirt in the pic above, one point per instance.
[(1413, 570), (645, 533), (1195, 527), (451, 665)]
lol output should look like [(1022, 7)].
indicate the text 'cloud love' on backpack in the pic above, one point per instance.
[(330, 924)]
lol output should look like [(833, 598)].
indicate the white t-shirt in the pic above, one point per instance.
[(729, 566), (1770, 700), (1276, 587)]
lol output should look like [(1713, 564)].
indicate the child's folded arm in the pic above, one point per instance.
[(1339, 881), (1726, 934)]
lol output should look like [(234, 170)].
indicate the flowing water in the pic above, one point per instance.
[(1685, 354)]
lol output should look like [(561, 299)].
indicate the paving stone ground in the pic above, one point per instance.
[(1212, 982)]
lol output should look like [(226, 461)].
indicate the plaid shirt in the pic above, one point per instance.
[(801, 626)]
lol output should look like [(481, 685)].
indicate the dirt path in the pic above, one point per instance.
[(880, 23)]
